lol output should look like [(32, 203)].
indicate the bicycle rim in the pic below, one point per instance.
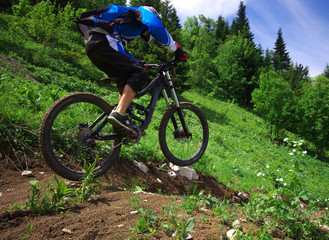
[(64, 137), (176, 146)]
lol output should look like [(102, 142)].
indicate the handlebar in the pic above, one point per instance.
[(163, 66)]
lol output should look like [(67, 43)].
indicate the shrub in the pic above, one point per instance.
[(274, 101), (314, 112)]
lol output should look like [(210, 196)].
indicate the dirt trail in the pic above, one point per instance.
[(108, 215)]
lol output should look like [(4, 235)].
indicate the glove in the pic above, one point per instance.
[(180, 55), (142, 63)]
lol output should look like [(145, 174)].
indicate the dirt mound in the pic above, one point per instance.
[(108, 216), (158, 180)]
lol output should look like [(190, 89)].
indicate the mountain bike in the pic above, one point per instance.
[(74, 131)]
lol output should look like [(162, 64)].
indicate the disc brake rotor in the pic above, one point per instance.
[(83, 135)]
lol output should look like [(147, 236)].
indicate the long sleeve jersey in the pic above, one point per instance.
[(123, 24)]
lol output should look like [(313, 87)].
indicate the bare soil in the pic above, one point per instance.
[(109, 214)]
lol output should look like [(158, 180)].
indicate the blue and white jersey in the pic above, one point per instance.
[(124, 33)]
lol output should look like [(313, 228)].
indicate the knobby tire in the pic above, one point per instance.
[(178, 148), (61, 136)]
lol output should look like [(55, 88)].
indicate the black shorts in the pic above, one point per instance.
[(119, 67)]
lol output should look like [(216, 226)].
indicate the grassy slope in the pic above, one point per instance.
[(239, 147)]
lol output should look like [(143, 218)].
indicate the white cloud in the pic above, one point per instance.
[(209, 8), (305, 31)]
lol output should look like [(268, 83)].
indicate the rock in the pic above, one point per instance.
[(189, 236), (189, 173), (243, 197), (141, 166), (233, 234), (0, 194), (65, 230), (237, 225), (174, 167), (172, 174), (27, 173)]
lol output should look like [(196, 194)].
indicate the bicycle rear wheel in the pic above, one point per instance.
[(64, 132), (176, 145)]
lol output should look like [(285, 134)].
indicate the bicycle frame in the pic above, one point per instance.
[(159, 84)]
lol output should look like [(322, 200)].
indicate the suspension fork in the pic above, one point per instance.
[(177, 104)]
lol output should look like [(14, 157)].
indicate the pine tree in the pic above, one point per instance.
[(268, 59), (281, 56), (241, 23), (221, 29), (297, 76)]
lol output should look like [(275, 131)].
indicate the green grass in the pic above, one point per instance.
[(240, 144), (240, 147)]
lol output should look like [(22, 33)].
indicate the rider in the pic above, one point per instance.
[(107, 31)]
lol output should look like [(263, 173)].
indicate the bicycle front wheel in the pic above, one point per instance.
[(64, 136), (179, 147)]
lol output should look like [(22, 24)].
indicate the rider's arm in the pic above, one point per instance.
[(157, 30)]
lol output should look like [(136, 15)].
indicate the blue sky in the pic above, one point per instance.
[(304, 23)]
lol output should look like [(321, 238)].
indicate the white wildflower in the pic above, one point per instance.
[(263, 174), (294, 150), (304, 152), (286, 139), (258, 174), (279, 179), (267, 166), (291, 153), (285, 184)]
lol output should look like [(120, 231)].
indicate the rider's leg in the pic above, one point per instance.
[(118, 117), (125, 99)]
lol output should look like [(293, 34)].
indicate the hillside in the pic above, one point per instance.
[(241, 157)]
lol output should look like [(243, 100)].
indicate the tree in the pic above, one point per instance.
[(274, 101), (314, 113), (326, 71), (281, 56), (268, 59), (238, 65), (240, 24), (200, 40), (222, 29), (297, 76), (45, 22)]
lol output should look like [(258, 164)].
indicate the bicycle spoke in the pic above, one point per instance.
[(180, 147), (65, 135)]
